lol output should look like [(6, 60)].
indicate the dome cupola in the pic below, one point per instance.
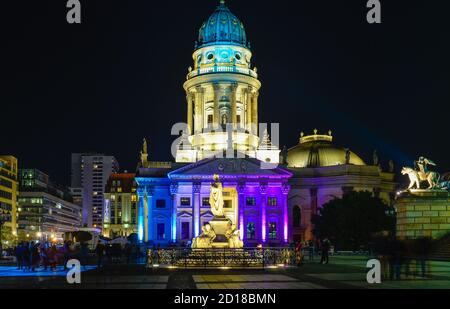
[(318, 151), (222, 27)]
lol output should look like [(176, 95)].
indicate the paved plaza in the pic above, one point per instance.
[(342, 273)]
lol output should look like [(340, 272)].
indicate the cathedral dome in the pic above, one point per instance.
[(222, 27), (319, 151)]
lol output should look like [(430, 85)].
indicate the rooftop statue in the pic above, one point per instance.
[(422, 173)]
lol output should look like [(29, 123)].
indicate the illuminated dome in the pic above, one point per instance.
[(319, 151), (222, 27)]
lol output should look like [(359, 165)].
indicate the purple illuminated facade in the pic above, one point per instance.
[(174, 202)]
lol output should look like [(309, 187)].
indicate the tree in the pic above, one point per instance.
[(354, 220), (83, 237)]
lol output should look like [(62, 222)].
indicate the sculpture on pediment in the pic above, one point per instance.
[(216, 198), (421, 173)]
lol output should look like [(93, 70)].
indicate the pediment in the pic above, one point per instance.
[(237, 167)]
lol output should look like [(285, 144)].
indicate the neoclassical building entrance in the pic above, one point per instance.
[(174, 208)]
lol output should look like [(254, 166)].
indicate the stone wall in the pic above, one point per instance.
[(423, 213)]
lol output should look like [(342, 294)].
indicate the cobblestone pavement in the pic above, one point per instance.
[(342, 272)]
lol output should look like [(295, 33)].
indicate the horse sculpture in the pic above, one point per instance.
[(416, 178)]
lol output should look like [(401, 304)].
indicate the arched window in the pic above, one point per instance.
[(297, 216)]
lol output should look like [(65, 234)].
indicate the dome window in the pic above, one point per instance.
[(238, 56), (210, 56)]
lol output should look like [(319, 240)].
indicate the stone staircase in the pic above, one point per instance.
[(442, 251)]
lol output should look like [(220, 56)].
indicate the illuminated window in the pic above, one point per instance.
[(205, 202), (272, 230), (251, 201), (273, 201), (185, 201), (251, 231), (134, 198)]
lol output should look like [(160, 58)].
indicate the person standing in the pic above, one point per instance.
[(100, 252), (325, 251), (19, 256), (299, 254), (311, 250)]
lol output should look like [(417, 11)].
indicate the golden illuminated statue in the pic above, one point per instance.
[(234, 237), (216, 198), (205, 240)]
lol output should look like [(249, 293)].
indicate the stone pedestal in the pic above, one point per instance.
[(219, 225), (422, 213)]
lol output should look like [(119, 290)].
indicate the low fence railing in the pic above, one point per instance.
[(222, 258)]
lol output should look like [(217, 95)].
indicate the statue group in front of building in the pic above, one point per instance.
[(208, 237)]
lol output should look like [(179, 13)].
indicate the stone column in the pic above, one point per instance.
[(174, 219), (149, 216), (198, 105), (241, 213), (190, 113), (285, 191), (263, 210), (141, 214), (255, 113), (234, 87), (216, 120), (196, 190), (248, 100)]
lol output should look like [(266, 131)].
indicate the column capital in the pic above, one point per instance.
[(286, 189), (173, 188), (241, 188), (217, 87), (199, 89), (263, 188), (197, 188), (150, 191), (141, 192)]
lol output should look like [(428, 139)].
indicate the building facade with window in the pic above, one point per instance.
[(271, 198), (46, 210), (120, 209), (8, 199), (90, 173)]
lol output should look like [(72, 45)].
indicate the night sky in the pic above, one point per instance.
[(105, 84)]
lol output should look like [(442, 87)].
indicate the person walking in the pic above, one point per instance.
[(299, 254)]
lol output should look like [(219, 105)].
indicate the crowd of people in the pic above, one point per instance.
[(312, 249), (31, 256)]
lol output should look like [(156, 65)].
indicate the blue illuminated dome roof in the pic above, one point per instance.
[(222, 27)]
